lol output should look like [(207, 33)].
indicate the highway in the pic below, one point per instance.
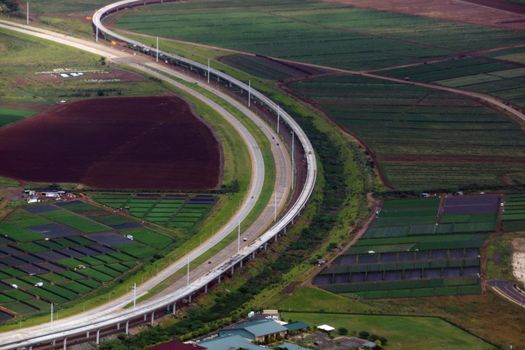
[(258, 172), (112, 312)]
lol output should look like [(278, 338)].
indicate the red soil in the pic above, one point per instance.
[(494, 13), (133, 143)]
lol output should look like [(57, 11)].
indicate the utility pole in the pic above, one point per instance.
[(249, 92), (51, 312), (134, 295), (96, 35), (208, 71), (157, 58), (278, 117), (27, 14)]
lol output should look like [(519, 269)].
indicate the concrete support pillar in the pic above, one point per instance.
[(97, 340), (233, 269), (87, 334), (54, 342), (189, 298), (65, 343), (118, 326), (205, 288), (253, 255), (241, 263), (220, 279), (174, 308), (145, 317), (152, 317), (127, 327)]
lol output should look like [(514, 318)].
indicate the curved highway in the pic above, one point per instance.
[(105, 316)]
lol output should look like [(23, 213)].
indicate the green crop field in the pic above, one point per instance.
[(313, 31), (52, 232), (502, 79), (399, 257), (421, 138), (513, 218), (175, 212)]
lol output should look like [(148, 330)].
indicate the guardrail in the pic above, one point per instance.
[(169, 301)]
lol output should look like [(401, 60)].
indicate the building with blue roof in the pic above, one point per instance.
[(230, 342), (259, 330)]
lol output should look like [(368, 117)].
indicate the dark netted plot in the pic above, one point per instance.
[(54, 230), (141, 142), (109, 238), (36, 209)]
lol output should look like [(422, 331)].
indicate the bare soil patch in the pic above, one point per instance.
[(132, 143), (500, 13), (518, 259)]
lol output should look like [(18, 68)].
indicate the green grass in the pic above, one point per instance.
[(313, 31), (23, 79), (11, 115), (401, 332)]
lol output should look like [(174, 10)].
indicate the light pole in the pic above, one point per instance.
[(188, 271), (157, 58), (208, 71), (249, 92), (134, 295), (278, 117), (239, 237)]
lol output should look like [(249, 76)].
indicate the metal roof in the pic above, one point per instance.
[(232, 342), (296, 326)]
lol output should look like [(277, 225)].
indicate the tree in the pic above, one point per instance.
[(8, 6), (342, 331)]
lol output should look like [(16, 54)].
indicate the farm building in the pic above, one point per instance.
[(260, 330), (229, 342), (293, 327)]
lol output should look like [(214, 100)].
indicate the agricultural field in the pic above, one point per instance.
[(111, 147), (314, 32), (422, 139), (30, 74), (269, 69), (176, 211), (513, 218), (58, 253), (500, 78), (416, 248)]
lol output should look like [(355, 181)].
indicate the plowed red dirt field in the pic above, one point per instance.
[(133, 143)]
